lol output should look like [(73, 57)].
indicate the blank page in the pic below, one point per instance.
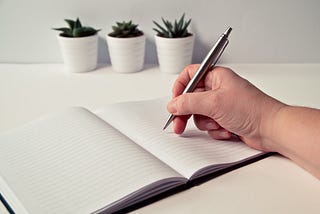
[(143, 121), (73, 162)]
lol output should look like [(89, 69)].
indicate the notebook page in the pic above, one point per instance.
[(142, 121), (73, 162)]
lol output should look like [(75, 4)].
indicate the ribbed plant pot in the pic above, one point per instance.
[(127, 54), (174, 53), (79, 54)]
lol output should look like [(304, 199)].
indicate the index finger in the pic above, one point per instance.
[(183, 79)]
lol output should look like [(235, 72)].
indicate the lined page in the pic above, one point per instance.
[(142, 121), (73, 162)]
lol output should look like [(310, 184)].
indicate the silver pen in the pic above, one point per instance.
[(208, 63)]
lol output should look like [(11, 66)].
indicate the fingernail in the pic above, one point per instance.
[(211, 126), (224, 134)]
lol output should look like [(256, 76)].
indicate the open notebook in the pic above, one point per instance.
[(76, 161)]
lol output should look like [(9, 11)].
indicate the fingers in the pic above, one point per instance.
[(212, 127), (207, 100), (179, 123), (205, 123), (210, 82), (183, 79), (220, 134), (203, 103)]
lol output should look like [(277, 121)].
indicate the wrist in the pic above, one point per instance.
[(270, 114)]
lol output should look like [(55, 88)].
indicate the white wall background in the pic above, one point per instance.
[(264, 31)]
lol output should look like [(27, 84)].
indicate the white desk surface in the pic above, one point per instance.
[(272, 185)]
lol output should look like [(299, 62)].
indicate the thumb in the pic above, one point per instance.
[(202, 103)]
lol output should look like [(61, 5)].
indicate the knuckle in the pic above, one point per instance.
[(183, 104), (215, 99)]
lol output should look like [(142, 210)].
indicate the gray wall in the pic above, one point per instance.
[(264, 31)]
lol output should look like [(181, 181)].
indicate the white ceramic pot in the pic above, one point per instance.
[(127, 54), (174, 53), (79, 54)]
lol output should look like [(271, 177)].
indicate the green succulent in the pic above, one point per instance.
[(178, 29), (125, 30), (76, 29)]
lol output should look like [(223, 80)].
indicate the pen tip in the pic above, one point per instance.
[(170, 119), (165, 126), (228, 31)]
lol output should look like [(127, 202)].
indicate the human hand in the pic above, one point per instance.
[(223, 103)]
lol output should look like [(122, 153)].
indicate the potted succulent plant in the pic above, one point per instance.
[(126, 45), (79, 46), (174, 45)]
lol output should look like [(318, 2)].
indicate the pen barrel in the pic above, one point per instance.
[(208, 63)]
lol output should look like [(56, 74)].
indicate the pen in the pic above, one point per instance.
[(209, 62)]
